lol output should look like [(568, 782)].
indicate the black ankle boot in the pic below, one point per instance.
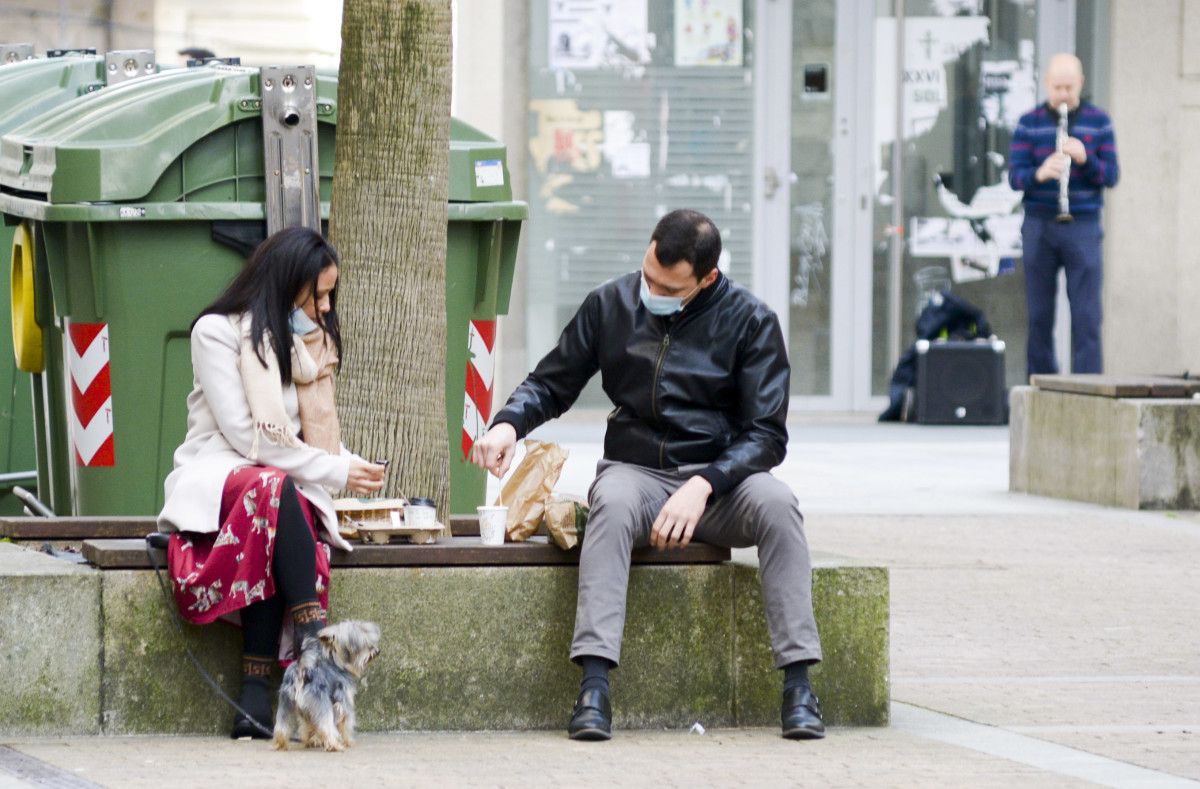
[(307, 620), (256, 700)]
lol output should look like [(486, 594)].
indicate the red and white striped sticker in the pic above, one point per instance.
[(477, 406), (91, 394)]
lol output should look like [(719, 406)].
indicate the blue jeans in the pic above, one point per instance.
[(1075, 247)]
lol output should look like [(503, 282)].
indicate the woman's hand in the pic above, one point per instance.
[(365, 477)]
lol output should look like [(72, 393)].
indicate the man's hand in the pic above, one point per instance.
[(365, 477), (678, 518), (1073, 147), (1052, 169), (494, 451)]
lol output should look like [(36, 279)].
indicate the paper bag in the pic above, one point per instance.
[(528, 489), (566, 517)]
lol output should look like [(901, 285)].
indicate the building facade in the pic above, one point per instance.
[(853, 153)]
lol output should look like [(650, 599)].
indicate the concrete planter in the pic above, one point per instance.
[(486, 648), (1139, 453)]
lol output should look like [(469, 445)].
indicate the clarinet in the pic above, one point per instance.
[(1064, 201)]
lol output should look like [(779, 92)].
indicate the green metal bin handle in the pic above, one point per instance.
[(487, 288)]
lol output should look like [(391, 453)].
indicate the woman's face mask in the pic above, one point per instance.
[(300, 322)]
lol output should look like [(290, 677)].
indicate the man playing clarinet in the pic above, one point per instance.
[(1063, 177)]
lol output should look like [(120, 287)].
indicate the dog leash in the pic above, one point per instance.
[(178, 620)]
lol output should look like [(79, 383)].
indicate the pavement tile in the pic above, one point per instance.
[(738, 758)]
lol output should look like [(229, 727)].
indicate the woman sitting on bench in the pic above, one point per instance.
[(250, 491)]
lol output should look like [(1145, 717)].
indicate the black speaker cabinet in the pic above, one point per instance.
[(961, 383)]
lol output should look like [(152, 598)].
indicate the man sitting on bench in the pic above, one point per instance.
[(698, 372)]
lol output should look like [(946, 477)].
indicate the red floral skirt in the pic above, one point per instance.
[(214, 575)]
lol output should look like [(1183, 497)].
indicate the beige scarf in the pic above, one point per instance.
[(313, 361)]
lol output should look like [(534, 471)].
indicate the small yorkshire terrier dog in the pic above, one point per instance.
[(317, 693)]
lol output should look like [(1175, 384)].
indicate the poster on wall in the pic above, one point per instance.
[(931, 44), (625, 149), (598, 34), (708, 32), (1008, 88)]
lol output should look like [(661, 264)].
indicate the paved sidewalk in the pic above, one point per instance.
[(1035, 642)]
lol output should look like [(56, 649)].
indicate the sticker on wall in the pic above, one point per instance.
[(477, 400), (91, 394), (598, 34), (489, 172), (708, 33), (565, 137)]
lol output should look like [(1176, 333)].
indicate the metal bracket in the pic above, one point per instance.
[(122, 65), (289, 122), (13, 53), (199, 62)]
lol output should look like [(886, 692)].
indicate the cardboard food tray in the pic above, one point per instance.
[(378, 520)]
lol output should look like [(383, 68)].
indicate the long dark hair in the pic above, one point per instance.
[(281, 271)]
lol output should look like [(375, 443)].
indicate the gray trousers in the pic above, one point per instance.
[(625, 499)]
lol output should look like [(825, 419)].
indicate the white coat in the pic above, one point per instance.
[(219, 436)]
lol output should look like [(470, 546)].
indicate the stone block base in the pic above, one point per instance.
[(49, 645), (1139, 453), (473, 648)]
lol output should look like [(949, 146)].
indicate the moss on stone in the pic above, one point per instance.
[(851, 606), (487, 648), (49, 647), (150, 686)]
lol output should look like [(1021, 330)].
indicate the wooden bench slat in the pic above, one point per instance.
[(1117, 385), (75, 528), (130, 554), (134, 527)]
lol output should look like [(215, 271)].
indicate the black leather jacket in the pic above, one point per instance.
[(708, 385)]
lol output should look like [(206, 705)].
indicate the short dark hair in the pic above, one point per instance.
[(686, 235), (280, 271), (198, 53)]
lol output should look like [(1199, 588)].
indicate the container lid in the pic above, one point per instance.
[(116, 146), (30, 88), (419, 502)]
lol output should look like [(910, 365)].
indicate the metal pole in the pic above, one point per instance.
[(896, 250)]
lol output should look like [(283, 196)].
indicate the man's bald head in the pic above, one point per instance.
[(1064, 80)]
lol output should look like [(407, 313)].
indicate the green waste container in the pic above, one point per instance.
[(481, 254), (29, 88), (141, 203)]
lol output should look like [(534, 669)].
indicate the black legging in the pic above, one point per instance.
[(294, 566)]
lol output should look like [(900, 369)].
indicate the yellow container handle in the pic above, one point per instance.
[(27, 335)]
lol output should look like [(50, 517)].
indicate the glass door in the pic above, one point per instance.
[(811, 90), (952, 79)]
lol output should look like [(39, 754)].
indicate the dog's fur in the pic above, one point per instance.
[(317, 693)]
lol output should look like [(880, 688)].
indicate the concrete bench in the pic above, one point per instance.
[(1122, 441), (475, 637)]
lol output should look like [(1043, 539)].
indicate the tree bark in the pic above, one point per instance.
[(388, 221)]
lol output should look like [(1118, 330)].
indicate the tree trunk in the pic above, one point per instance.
[(388, 222)]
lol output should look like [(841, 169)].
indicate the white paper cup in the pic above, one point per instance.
[(418, 516), (493, 523)]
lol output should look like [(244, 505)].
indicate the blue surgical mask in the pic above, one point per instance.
[(662, 305), (300, 322)]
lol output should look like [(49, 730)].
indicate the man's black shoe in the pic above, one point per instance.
[(592, 718), (802, 714)]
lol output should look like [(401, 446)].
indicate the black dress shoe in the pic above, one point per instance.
[(592, 718), (802, 714)]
